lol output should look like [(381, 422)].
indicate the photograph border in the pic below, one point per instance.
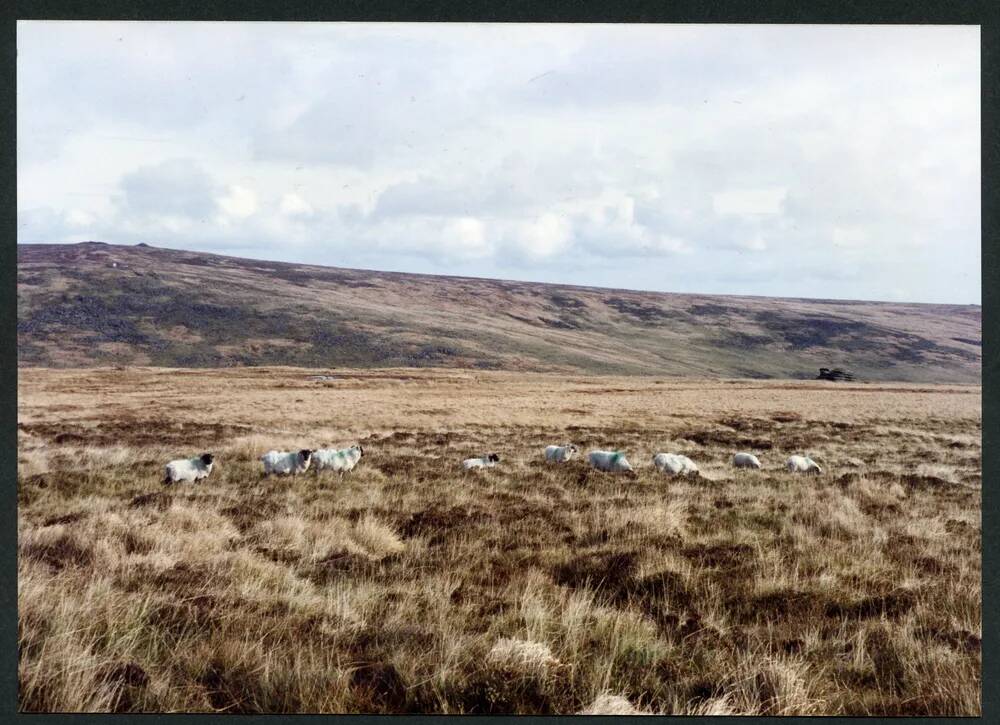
[(980, 13)]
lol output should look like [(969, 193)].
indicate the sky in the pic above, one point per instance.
[(796, 161)]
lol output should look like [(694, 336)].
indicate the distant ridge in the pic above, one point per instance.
[(98, 304)]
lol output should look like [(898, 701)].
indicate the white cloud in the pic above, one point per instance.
[(79, 218), (559, 152), (754, 244), (239, 202), (749, 201), (294, 205), (546, 236), (465, 237), (849, 237)]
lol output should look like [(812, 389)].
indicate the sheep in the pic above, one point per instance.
[(188, 469), (802, 464), (343, 460), (674, 464), (283, 463), (560, 454), (746, 460), (486, 462), (611, 461)]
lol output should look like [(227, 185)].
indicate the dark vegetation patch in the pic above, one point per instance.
[(440, 523), (645, 313), (893, 605), (957, 527), (564, 302), (139, 307), (495, 691), (612, 571), (61, 552), (226, 688), (64, 519), (183, 577), (745, 341), (802, 333), (725, 438), (308, 277), (381, 686), (521, 318), (786, 417), (779, 605), (156, 499), (136, 432), (559, 324), (712, 310), (727, 557), (938, 630), (64, 483), (125, 673), (888, 664), (126, 678), (246, 513)]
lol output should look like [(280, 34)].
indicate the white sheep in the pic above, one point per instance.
[(342, 460), (802, 464), (611, 461), (746, 460), (486, 462), (188, 469), (674, 464), (283, 462), (560, 454)]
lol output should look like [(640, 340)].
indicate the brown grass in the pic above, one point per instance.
[(412, 586)]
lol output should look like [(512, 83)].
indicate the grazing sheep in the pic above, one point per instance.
[(342, 460), (674, 464), (802, 464), (188, 469), (486, 462), (560, 454), (283, 463), (611, 461), (746, 460)]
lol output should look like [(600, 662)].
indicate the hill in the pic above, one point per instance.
[(93, 304)]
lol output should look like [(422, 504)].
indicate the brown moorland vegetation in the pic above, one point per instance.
[(93, 304), (412, 586)]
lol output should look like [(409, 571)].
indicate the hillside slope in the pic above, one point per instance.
[(97, 304)]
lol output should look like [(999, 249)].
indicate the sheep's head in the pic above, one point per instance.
[(572, 448), (207, 458), (360, 448), (493, 457), (306, 454)]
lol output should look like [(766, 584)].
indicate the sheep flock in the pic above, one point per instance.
[(291, 463)]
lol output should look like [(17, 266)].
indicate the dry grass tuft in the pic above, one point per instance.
[(608, 704), (522, 656)]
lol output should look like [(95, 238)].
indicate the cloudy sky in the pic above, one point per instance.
[(808, 161)]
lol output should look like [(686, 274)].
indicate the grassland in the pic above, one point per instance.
[(411, 586)]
